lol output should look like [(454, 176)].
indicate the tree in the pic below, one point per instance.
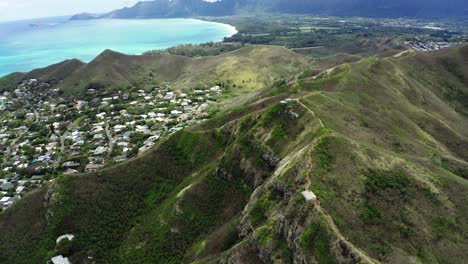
[(65, 247), (29, 151)]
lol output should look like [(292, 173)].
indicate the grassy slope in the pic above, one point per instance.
[(399, 125), (9, 82), (244, 70), (239, 69), (388, 167), (57, 71)]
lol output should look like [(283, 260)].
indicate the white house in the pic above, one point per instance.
[(176, 112), (215, 89), (59, 260), (309, 196), (100, 150)]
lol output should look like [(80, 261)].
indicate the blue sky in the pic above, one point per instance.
[(24, 9)]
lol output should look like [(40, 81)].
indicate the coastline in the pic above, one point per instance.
[(232, 29), (225, 30)]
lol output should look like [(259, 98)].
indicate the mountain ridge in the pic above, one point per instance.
[(363, 8), (380, 141), (112, 70)]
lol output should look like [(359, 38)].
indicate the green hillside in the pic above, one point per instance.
[(244, 70), (382, 142)]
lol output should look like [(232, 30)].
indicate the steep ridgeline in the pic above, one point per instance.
[(382, 143), (366, 8)]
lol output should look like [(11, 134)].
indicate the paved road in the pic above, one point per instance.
[(111, 140), (7, 154), (62, 145)]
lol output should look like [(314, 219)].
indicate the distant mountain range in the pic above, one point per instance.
[(365, 8)]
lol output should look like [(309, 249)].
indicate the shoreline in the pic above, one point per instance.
[(226, 29), (232, 29)]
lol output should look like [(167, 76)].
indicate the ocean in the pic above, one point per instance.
[(30, 44)]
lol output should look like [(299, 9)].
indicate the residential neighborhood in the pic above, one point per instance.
[(41, 138), (419, 45)]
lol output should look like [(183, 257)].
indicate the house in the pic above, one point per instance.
[(142, 129), (183, 117), (127, 135), (6, 186), (79, 143), (91, 168), (169, 96), (53, 138), (100, 150), (71, 164), (153, 138), (20, 190), (119, 128), (2, 102), (120, 158), (215, 89), (309, 196), (98, 129), (175, 129), (71, 172), (176, 112), (22, 182), (59, 260), (98, 137), (37, 178), (123, 144), (81, 105), (30, 116), (101, 115), (144, 148), (6, 201)]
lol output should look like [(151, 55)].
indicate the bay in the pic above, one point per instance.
[(30, 44)]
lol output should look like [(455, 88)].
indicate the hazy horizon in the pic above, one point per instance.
[(11, 10)]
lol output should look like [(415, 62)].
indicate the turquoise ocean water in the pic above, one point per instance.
[(27, 45)]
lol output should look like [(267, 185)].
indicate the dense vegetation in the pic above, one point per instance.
[(323, 37), (378, 141), (206, 49)]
